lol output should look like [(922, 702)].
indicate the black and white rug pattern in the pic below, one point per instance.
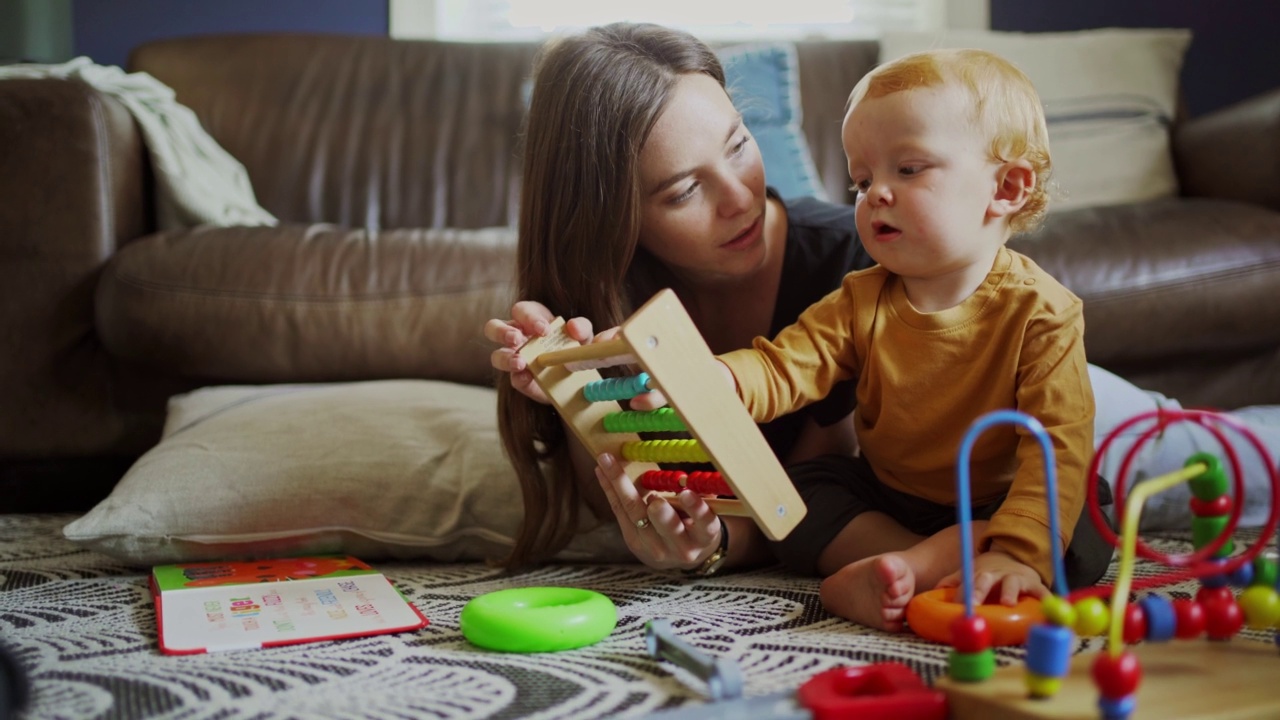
[(83, 627)]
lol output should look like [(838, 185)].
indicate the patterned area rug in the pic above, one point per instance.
[(83, 626)]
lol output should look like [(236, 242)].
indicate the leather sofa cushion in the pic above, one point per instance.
[(315, 303), (1166, 278), (306, 303)]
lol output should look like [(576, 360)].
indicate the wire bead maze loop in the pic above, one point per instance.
[(1197, 563)]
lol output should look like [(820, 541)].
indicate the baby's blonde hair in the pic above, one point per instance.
[(1006, 107)]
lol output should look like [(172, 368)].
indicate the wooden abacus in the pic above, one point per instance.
[(668, 347)]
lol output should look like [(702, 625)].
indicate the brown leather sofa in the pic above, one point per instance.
[(382, 158)]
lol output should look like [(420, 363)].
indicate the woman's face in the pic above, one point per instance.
[(703, 197)]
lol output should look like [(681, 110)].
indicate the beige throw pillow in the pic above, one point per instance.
[(385, 469), (1109, 95)]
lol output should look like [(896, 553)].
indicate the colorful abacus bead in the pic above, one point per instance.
[(706, 482), (1261, 605), (660, 420), (662, 480), (622, 388), (665, 451), (1092, 617), (1222, 617), (1242, 576), (1117, 679), (1135, 623), (1190, 619), (1215, 580), (1048, 659), (971, 658), (1162, 621), (1264, 570)]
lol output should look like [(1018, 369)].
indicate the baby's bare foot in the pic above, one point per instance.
[(872, 592)]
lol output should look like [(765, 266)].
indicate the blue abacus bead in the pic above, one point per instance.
[(1049, 650), (1162, 621), (1216, 580), (621, 388), (1241, 576), (1117, 708)]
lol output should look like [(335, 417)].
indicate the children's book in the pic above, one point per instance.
[(218, 606)]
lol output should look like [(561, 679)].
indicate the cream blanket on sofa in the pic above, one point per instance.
[(197, 181)]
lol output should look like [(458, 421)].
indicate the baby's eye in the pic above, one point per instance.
[(910, 169), (860, 186)]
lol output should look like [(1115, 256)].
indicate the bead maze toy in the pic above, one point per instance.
[(662, 339), (1196, 678)]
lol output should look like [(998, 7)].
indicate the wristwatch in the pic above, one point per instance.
[(715, 560)]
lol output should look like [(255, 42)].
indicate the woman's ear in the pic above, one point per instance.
[(1014, 182)]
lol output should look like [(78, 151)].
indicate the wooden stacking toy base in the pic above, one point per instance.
[(1185, 679)]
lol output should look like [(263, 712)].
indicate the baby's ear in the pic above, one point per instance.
[(1014, 182)]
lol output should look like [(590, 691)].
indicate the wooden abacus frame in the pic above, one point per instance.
[(666, 344)]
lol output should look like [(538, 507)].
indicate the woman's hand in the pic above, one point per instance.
[(529, 319), (656, 534)]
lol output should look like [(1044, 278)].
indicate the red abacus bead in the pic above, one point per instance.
[(1222, 618), (1217, 594), (1135, 623), (708, 483), (1117, 677), (662, 480), (970, 634), (1216, 507), (1190, 617)]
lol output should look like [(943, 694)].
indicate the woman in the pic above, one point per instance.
[(639, 175)]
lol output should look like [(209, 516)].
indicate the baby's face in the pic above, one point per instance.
[(925, 181)]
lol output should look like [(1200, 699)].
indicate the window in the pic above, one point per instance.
[(708, 19)]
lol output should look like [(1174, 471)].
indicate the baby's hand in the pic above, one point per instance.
[(996, 567)]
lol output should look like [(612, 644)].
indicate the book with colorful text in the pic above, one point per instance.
[(217, 606)]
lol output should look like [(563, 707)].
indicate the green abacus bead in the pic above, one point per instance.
[(1211, 483), (1264, 571), (1204, 530), (972, 667)]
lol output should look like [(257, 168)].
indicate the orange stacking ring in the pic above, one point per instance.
[(931, 613)]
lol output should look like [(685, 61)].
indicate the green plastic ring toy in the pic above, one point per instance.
[(538, 619)]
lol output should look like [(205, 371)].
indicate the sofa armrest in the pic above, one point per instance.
[(1233, 153), (73, 183), (309, 303)]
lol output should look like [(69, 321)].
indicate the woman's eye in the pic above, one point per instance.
[(688, 193), (741, 145)]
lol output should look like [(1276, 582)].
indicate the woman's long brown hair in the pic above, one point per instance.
[(596, 96)]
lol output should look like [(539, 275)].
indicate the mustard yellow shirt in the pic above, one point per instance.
[(923, 378)]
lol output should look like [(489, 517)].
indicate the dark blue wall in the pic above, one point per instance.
[(106, 30), (1235, 48)]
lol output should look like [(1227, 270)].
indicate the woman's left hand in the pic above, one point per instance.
[(658, 535)]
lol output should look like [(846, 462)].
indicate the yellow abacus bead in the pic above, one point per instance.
[(1092, 617), (1040, 686), (1261, 606), (1058, 611)]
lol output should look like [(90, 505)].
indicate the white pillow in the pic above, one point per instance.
[(384, 469), (1109, 95)]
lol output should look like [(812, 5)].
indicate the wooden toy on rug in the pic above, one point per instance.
[(664, 342), (1197, 678)]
